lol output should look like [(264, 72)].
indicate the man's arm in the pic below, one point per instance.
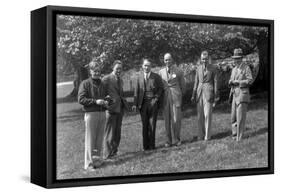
[(160, 87), (83, 98), (249, 78), (216, 86), (195, 85)]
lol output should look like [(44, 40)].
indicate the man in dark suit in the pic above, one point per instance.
[(115, 110), (147, 93)]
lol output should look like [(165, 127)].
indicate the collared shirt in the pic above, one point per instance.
[(146, 75), (168, 69)]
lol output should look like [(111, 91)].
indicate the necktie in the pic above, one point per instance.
[(119, 84)]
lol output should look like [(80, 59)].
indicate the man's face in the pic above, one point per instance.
[(237, 61), (146, 66), (204, 60), (117, 69), (168, 60), (95, 73)]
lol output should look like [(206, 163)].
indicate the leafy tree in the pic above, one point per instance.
[(81, 39)]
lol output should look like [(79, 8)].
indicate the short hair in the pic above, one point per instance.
[(94, 65), (115, 63), (146, 59), (205, 53), (168, 53)]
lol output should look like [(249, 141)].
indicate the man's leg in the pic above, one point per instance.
[(145, 125), (90, 136), (241, 119), (153, 112), (233, 118), (110, 124), (100, 133), (201, 120), (117, 132), (208, 107), (176, 123), (167, 118)]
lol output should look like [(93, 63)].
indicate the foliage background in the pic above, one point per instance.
[(81, 39)]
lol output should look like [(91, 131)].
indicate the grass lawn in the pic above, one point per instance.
[(221, 152)]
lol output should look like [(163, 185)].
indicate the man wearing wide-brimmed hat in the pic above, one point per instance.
[(240, 80)]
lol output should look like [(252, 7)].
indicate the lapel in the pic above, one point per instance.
[(164, 74), (200, 73), (173, 71), (141, 80), (236, 73), (114, 82)]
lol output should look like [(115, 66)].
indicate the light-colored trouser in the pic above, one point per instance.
[(94, 125), (238, 118), (172, 116), (204, 111)]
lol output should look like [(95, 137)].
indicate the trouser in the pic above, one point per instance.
[(204, 112), (112, 134), (148, 114), (238, 118), (172, 116), (94, 130)]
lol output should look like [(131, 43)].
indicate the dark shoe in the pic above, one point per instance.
[(91, 168)]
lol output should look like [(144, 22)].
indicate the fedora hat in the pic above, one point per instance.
[(237, 53)]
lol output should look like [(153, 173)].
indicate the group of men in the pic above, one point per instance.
[(164, 90)]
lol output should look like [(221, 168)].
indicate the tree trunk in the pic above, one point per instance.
[(81, 73), (262, 80)]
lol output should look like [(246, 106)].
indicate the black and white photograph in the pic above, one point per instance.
[(142, 96)]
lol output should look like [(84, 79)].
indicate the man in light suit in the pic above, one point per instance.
[(115, 110), (240, 80), (148, 90), (205, 93), (174, 87)]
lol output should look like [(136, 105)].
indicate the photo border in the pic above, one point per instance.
[(43, 126)]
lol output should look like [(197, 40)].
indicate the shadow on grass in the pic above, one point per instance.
[(248, 133), (221, 135), (260, 131), (128, 156)]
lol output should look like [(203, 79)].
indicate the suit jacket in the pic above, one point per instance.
[(243, 75), (174, 85), (116, 93), (154, 83), (206, 83)]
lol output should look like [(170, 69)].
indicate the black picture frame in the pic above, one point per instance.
[(43, 97)]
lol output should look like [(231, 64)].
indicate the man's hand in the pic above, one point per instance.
[(100, 102), (235, 82), (193, 99), (154, 101)]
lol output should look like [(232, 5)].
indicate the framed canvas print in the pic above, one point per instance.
[(125, 96)]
